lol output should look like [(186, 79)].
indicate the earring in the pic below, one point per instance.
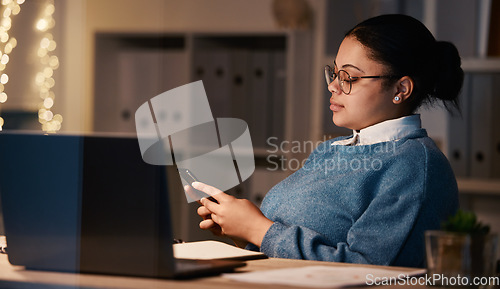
[(396, 98)]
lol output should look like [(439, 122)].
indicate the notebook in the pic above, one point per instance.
[(88, 203), (212, 250)]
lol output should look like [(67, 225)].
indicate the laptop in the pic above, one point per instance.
[(89, 204)]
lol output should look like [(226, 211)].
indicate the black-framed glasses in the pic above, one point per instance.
[(345, 79)]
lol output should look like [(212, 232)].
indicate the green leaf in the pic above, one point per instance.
[(465, 222)]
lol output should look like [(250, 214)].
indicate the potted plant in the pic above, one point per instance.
[(464, 248)]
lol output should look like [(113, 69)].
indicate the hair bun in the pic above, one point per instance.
[(450, 76)]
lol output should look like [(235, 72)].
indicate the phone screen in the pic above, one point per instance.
[(189, 177)]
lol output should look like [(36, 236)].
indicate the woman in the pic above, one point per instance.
[(369, 197)]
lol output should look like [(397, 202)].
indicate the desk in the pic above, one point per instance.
[(18, 277)]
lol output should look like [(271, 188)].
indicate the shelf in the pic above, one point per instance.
[(481, 64), (479, 186)]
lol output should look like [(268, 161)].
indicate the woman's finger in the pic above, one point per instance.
[(217, 194), (190, 192), (213, 207), (207, 224), (204, 212)]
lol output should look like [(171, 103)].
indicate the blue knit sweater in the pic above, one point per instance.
[(362, 204)]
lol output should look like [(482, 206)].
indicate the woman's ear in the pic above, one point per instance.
[(404, 88)]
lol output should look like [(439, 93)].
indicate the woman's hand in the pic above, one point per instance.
[(232, 217)]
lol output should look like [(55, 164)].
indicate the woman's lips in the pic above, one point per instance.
[(335, 106)]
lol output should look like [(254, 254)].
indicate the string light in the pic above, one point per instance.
[(10, 8), (44, 79)]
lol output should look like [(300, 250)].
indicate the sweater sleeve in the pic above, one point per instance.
[(376, 236)]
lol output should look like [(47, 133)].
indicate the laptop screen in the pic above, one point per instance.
[(84, 204)]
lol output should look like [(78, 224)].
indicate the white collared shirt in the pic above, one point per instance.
[(389, 130)]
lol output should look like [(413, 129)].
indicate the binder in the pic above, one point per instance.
[(213, 68), (140, 75), (458, 131), (239, 84), (138, 79), (278, 96), (259, 96), (458, 15), (481, 137), (496, 126)]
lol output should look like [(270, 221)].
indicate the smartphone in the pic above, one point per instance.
[(189, 177)]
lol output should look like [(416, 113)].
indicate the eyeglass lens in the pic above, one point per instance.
[(343, 78)]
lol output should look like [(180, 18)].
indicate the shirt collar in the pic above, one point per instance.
[(389, 130)]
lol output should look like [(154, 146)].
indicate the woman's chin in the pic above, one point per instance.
[(341, 123), (337, 121)]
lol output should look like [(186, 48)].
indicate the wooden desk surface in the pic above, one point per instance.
[(18, 277)]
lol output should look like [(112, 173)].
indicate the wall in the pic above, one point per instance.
[(83, 18)]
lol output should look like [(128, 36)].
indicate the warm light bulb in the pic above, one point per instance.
[(4, 37), (3, 97), (7, 12), (50, 9), (41, 113), (48, 72), (42, 25), (48, 102), (58, 118), (6, 23), (48, 115), (8, 48), (51, 82), (52, 45), (13, 42), (16, 10), (54, 62), (42, 52), (4, 59), (4, 78), (45, 42), (39, 79)]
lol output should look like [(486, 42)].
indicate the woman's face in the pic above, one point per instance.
[(369, 102)]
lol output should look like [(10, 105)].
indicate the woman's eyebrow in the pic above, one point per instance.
[(349, 65)]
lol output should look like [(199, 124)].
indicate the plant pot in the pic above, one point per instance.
[(458, 258)]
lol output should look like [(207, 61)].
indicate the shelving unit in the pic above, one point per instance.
[(489, 64), (257, 77), (483, 187), (247, 76)]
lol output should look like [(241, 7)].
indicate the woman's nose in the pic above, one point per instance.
[(333, 87)]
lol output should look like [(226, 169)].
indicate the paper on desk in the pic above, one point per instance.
[(211, 250), (322, 276)]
